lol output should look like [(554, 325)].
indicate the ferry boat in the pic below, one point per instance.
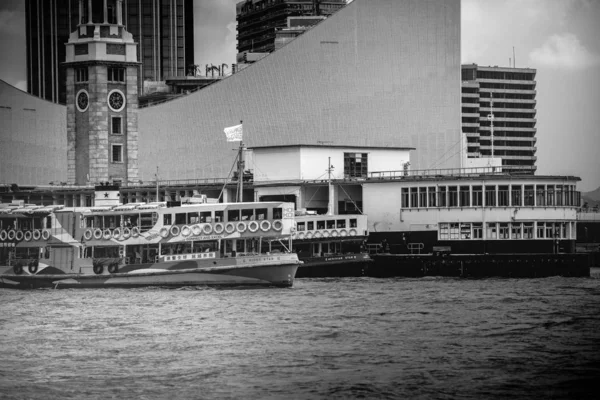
[(147, 244)]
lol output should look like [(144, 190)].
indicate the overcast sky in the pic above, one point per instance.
[(559, 38)]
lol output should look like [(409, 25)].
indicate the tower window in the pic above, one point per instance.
[(116, 125), (117, 153), (116, 74), (81, 74)]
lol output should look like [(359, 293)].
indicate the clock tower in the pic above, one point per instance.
[(102, 97)]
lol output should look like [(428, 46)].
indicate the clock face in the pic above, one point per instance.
[(116, 101), (82, 100)]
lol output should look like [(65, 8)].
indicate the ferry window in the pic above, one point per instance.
[(477, 231), (341, 223), (422, 197), (541, 230), (278, 213), (540, 195), (465, 231), (442, 196), (550, 195), (477, 196), (233, 215), (106, 252), (147, 221), (134, 220), (205, 216), (413, 197), (405, 203), (515, 231), (503, 231), (261, 213), (563, 230), (452, 196), (443, 231), (37, 223), (310, 226), (550, 232), (528, 195), (117, 153), (353, 223), (492, 230), (559, 195), (180, 218), (528, 230), (116, 125), (320, 224), (454, 233), (247, 214), (89, 222), (206, 246), (431, 196), (490, 196), (301, 226), (110, 221), (515, 191), (503, 196), (193, 218), (464, 196), (331, 224), (219, 216)]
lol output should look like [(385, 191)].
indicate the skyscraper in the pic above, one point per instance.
[(498, 115), (163, 29)]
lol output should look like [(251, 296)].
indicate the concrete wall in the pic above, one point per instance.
[(377, 73), (33, 138)]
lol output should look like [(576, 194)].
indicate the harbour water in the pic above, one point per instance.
[(429, 338)]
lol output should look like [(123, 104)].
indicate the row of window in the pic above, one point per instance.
[(114, 74), (326, 224), (490, 196), (506, 230)]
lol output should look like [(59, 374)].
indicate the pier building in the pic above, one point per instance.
[(498, 115)]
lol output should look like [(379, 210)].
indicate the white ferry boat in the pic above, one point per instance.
[(153, 244)]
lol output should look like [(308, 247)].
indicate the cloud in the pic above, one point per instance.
[(565, 52), (11, 23)]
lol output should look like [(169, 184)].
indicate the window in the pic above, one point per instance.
[(503, 231), (477, 196), (465, 231), (405, 203), (477, 231), (453, 196), (528, 230), (503, 196), (206, 216), (443, 231), (492, 232), (490, 196), (515, 232), (422, 197), (529, 195), (331, 224), (442, 196), (341, 223), (454, 231), (116, 74), (180, 218), (413, 198), (233, 215), (301, 226), (117, 153), (464, 196), (355, 165), (116, 125), (167, 219), (81, 74), (540, 195), (278, 213), (515, 195), (431, 195), (310, 225), (541, 230)]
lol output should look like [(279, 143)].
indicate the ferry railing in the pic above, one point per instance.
[(417, 173)]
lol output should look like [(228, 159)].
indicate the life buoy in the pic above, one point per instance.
[(196, 230), (113, 268), (277, 225), (265, 225), (126, 233), (27, 236), (116, 233), (219, 228), (308, 235), (18, 269), (164, 232), (241, 227), (11, 235), (185, 230), (207, 229), (301, 235), (98, 269), (3, 235), (135, 231), (230, 227), (88, 234), (334, 233), (33, 267), (326, 234), (45, 234), (352, 232), (19, 235), (343, 232), (317, 234), (107, 234), (175, 230), (98, 234), (253, 226), (37, 234)]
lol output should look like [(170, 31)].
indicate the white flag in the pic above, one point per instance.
[(234, 133)]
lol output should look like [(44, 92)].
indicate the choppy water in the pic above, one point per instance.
[(430, 338)]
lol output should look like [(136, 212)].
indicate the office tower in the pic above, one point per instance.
[(498, 115), (258, 20), (163, 29)]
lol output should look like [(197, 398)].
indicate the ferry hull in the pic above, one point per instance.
[(346, 265), (252, 276)]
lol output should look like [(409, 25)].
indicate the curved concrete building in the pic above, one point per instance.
[(33, 140), (376, 73)]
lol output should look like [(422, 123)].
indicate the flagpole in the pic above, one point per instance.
[(241, 171)]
